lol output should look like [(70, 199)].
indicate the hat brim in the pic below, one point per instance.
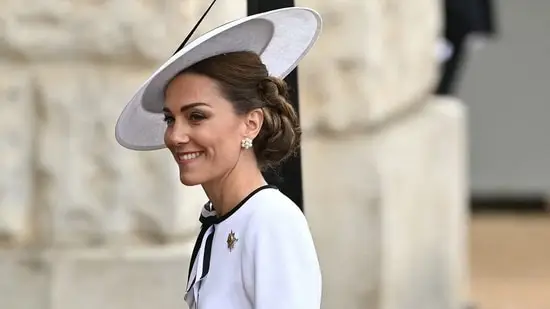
[(281, 38)]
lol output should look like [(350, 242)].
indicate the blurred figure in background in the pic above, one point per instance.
[(462, 20)]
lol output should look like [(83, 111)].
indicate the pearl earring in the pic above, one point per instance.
[(246, 143)]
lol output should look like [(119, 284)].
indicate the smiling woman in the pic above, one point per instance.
[(226, 118), (220, 104)]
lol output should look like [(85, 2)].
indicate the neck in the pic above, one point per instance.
[(228, 191)]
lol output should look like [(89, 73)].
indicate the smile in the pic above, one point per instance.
[(188, 156)]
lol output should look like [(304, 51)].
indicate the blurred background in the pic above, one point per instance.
[(425, 162)]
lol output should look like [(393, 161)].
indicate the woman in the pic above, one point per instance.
[(226, 119)]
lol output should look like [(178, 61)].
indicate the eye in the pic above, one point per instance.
[(169, 120), (196, 116)]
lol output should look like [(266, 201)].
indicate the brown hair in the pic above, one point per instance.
[(245, 82)]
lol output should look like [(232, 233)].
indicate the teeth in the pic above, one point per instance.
[(189, 156)]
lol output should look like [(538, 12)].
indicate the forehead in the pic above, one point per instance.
[(192, 88)]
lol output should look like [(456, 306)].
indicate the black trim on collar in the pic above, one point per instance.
[(207, 222), (241, 203)]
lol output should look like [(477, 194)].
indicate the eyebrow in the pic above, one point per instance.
[(186, 107)]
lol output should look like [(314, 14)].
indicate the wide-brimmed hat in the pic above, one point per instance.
[(280, 37)]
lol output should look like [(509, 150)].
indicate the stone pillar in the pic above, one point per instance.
[(421, 163), (384, 161), (85, 223)]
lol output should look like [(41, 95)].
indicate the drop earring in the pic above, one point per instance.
[(246, 143)]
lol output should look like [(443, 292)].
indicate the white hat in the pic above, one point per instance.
[(281, 38)]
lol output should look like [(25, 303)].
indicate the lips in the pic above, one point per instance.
[(185, 157)]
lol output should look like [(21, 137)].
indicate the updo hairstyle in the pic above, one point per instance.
[(244, 81)]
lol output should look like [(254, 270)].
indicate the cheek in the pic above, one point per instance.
[(167, 140), (221, 143), (225, 146)]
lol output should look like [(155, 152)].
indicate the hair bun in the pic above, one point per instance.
[(281, 129), (273, 91)]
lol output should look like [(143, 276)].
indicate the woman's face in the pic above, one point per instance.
[(203, 131)]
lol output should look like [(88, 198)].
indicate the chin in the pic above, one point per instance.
[(190, 180)]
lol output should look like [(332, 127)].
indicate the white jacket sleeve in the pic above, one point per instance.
[(281, 268)]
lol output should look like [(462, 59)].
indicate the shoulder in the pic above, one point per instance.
[(282, 269), (276, 222), (276, 210)]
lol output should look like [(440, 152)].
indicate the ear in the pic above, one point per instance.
[(253, 123)]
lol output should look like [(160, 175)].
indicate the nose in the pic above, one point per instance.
[(176, 134)]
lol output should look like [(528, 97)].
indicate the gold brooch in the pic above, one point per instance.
[(231, 240)]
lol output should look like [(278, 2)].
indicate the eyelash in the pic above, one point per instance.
[(193, 117), (168, 119), (196, 117)]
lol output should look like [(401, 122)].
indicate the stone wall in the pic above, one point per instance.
[(85, 223)]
